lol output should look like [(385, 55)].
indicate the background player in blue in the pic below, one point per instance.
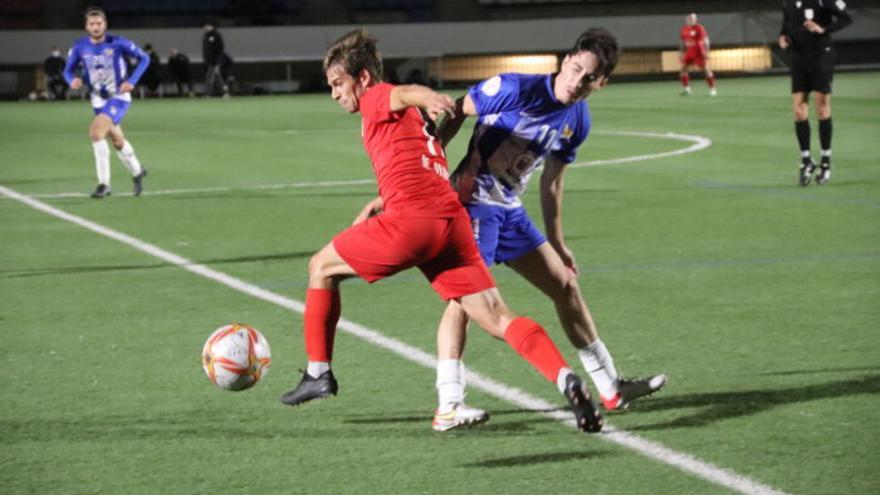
[(103, 58), (525, 121)]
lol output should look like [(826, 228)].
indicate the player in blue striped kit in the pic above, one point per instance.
[(526, 121), (103, 58)]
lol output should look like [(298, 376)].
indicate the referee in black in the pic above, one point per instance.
[(806, 29)]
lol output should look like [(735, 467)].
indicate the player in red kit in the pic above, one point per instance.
[(417, 221), (694, 51)]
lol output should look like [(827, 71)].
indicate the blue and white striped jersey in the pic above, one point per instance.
[(520, 124), (105, 66)]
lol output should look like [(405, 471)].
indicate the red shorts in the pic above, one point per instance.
[(444, 249), (694, 58)]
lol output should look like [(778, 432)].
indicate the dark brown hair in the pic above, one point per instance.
[(603, 44), (355, 51), (94, 12)]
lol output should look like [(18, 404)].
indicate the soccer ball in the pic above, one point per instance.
[(236, 356)]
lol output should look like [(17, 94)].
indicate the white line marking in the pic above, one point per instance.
[(648, 448), (698, 143), (162, 192)]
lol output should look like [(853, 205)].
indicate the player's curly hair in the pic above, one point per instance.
[(94, 12), (603, 44), (355, 51)]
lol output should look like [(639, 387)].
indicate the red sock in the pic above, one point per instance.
[(685, 80), (531, 342), (323, 307), (711, 81)]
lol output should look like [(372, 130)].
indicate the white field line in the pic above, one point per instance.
[(647, 448), (697, 143), (163, 192)]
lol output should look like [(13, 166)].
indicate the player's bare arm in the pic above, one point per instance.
[(414, 95), (551, 207), (374, 207), (126, 87), (76, 83), (464, 108)]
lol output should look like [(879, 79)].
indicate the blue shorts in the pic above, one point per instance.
[(115, 109), (503, 234)]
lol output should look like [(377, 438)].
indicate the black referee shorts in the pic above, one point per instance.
[(813, 72)]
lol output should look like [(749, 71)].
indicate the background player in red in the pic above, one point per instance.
[(694, 51), (421, 224)]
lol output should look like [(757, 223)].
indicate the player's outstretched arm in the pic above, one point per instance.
[(414, 95), (450, 126), (551, 207)]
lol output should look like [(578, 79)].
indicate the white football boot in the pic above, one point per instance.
[(630, 389), (458, 415)]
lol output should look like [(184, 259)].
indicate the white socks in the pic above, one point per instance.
[(102, 161), (598, 363), (126, 154), (450, 383), (317, 368), (560, 378)]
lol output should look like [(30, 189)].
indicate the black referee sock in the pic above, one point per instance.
[(825, 128), (802, 131)]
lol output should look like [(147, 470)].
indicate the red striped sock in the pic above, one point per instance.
[(711, 81), (531, 342), (685, 80), (323, 307)]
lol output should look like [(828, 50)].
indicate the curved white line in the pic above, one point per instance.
[(697, 143)]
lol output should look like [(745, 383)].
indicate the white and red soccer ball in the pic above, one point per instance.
[(236, 356)]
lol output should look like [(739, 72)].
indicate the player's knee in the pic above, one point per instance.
[(489, 311), (95, 133), (318, 266), (568, 289)]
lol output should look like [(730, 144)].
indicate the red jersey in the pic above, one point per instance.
[(694, 38), (409, 163)]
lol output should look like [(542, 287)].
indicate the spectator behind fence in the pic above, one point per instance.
[(213, 55), (54, 69), (178, 67), (226, 64), (152, 77)]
